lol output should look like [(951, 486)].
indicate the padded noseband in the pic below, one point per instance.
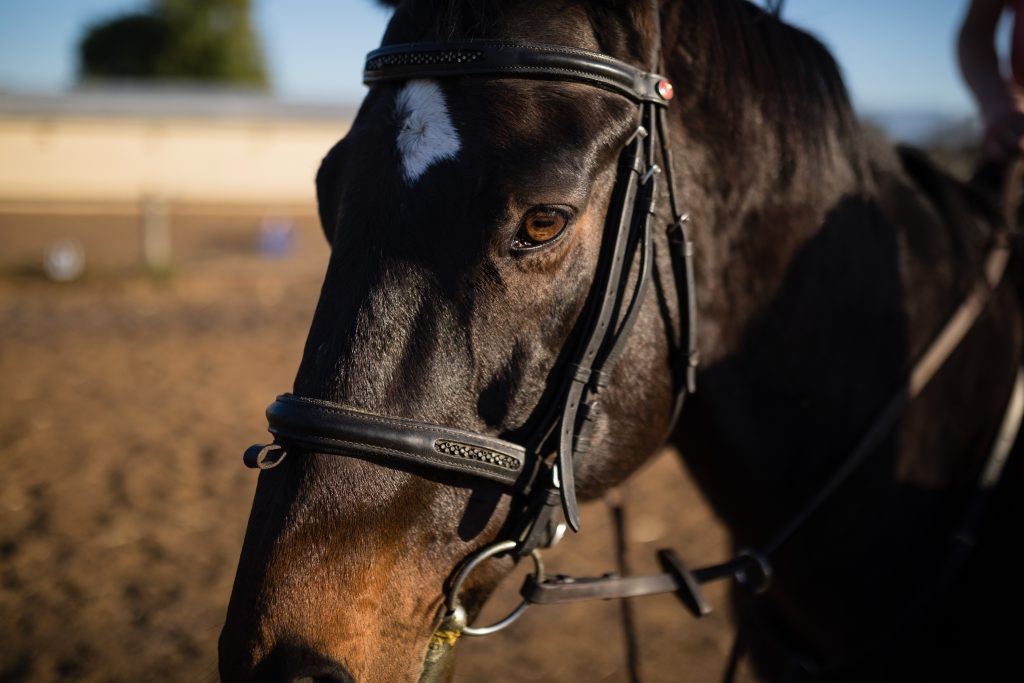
[(326, 427)]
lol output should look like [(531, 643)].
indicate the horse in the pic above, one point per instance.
[(491, 223)]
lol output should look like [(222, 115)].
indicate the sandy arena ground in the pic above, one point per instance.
[(127, 401)]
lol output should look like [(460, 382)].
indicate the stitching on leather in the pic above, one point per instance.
[(462, 465), (394, 422), (627, 89), (488, 45), (558, 70), (524, 68)]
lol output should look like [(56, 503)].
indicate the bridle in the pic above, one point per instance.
[(542, 482), (539, 471)]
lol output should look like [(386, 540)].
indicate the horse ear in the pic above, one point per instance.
[(328, 189)]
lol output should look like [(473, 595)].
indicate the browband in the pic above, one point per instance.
[(505, 59), (325, 427)]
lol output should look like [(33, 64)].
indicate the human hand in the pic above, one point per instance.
[(1004, 135)]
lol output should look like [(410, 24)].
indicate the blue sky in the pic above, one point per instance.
[(897, 55)]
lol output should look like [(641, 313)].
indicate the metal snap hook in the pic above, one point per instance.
[(456, 610)]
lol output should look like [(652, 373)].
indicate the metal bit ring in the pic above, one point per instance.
[(452, 598)]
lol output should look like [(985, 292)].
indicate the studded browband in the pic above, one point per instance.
[(504, 59)]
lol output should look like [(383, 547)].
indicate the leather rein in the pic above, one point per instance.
[(539, 471)]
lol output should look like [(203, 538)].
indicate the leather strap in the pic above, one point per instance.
[(615, 271), (503, 59), (326, 427), (748, 569), (681, 250)]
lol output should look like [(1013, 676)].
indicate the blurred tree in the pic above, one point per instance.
[(126, 46), (199, 40)]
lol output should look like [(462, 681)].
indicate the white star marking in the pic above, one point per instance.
[(426, 134)]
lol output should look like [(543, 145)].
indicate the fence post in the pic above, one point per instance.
[(155, 223)]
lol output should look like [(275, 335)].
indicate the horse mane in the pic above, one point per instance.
[(785, 81), (751, 72)]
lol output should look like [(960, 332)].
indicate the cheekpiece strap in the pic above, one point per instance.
[(503, 59)]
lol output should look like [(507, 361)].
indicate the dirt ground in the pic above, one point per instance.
[(127, 401)]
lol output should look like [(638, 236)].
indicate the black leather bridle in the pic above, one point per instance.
[(539, 472), (543, 483)]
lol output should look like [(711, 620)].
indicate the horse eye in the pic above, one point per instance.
[(540, 226)]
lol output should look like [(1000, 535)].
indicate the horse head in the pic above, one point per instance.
[(468, 219)]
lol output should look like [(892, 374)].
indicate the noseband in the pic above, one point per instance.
[(542, 483)]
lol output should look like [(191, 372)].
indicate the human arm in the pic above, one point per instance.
[(1001, 115)]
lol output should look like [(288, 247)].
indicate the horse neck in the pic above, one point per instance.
[(767, 145), (768, 153)]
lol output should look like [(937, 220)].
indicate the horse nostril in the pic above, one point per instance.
[(291, 664), (323, 674), (325, 677)]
